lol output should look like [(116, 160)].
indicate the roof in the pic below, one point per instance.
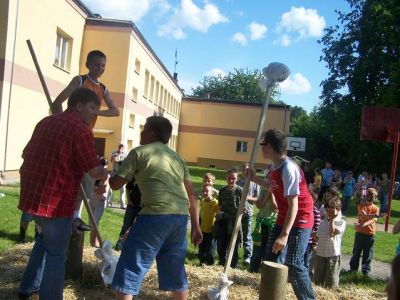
[(84, 8), (210, 100), (98, 21)]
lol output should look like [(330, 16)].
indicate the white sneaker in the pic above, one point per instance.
[(247, 261)]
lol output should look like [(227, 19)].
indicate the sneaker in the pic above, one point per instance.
[(247, 261), (122, 207), (79, 226)]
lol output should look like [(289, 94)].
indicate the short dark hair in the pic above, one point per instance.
[(93, 54), (84, 96), (277, 139), (334, 203), (161, 127), (333, 190)]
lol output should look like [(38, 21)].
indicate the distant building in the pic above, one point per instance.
[(62, 33), (216, 133)]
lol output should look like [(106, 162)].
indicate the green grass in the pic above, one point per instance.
[(111, 222), (355, 278)]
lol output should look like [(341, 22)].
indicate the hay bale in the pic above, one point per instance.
[(245, 286)]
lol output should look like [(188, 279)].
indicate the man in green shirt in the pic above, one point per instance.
[(160, 229)]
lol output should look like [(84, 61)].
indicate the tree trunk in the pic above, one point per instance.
[(273, 281)]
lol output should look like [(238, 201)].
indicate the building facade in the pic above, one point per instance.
[(221, 134), (62, 32)]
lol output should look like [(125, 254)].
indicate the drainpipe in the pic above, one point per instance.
[(11, 83)]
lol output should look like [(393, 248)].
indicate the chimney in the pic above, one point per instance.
[(176, 77)]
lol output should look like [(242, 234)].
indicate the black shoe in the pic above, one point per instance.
[(79, 226), (26, 296)]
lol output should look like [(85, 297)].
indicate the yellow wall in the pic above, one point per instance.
[(204, 125), (123, 47), (28, 104)]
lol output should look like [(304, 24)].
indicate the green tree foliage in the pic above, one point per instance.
[(240, 85), (362, 54)]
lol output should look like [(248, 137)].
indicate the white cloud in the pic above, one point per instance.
[(215, 72), (240, 38), (126, 9), (189, 15), (301, 23), (296, 84), (257, 31), (283, 40), (239, 13), (188, 85)]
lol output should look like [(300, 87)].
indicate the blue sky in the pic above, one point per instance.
[(216, 36)]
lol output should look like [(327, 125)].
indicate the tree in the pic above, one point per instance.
[(363, 58), (240, 85)]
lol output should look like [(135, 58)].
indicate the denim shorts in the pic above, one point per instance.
[(160, 237), (25, 217)]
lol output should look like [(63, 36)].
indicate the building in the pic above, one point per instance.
[(221, 134), (62, 33)]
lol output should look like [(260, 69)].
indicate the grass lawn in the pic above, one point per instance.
[(111, 222)]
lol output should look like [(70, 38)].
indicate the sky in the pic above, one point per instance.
[(216, 36)]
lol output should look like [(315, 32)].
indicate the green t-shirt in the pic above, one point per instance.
[(159, 172)]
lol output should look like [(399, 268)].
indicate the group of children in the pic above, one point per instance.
[(218, 210)]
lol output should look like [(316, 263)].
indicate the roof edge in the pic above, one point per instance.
[(212, 100)]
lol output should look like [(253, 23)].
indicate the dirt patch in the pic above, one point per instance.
[(246, 285)]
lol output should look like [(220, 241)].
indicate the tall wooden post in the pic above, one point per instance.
[(273, 281)]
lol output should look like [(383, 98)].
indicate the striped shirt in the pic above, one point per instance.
[(59, 152)]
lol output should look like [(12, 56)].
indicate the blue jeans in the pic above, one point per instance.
[(247, 238), (293, 257), (384, 201), (362, 243), (46, 266), (160, 237)]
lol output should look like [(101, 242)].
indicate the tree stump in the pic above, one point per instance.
[(273, 281), (73, 264)]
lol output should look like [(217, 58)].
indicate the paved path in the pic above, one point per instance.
[(379, 269)]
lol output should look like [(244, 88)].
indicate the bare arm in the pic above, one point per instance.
[(56, 106), (98, 173), (281, 240), (112, 110), (116, 182), (196, 234)]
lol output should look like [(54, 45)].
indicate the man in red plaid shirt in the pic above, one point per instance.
[(59, 152)]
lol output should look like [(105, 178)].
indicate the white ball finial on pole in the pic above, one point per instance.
[(273, 73)]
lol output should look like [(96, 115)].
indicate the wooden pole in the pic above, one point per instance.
[(273, 281), (238, 220), (392, 177)]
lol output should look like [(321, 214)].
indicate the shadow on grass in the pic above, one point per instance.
[(356, 278)]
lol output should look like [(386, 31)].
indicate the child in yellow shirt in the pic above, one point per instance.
[(208, 211)]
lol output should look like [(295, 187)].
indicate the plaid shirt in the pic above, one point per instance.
[(59, 152)]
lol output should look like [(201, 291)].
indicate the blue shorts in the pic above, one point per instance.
[(25, 217), (160, 237)]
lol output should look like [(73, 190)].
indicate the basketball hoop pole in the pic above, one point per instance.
[(392, 177)]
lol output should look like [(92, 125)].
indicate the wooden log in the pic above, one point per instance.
[(73, 264), (273, 281)]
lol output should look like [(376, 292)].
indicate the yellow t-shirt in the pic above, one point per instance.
[(208, 210), (160, 173), (317, 180)]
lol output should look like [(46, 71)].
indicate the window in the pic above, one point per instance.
[(62, 58), (151, 89), (137, 66), (241, 146), (130, 145), (134, 94), (131, 121), (156, 100), (146, 83)]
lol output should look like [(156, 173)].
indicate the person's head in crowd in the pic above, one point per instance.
[(370, 196), (86, 103), (349, 174), (232, 177), (156, 129), (331, 193), (209, 178), (208, 191), (384, 176), (273, 144), (317, 171), (96, 63), (121, 148), (103, 162), (327, 165), (333, 206)]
